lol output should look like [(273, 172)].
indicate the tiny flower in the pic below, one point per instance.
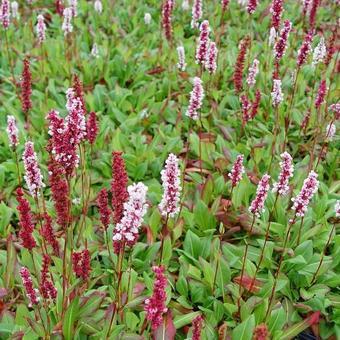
[(196, 99), (224, 4), (277, 95), (320, 52), (203, 42), (91, 127), (251, 7), (12, 132), (167, 9), (335, 108), (287, 170), (211, 58), (309, 188), (320, 97), (95, 51), (104, 211), (155, 305), (33, 176), (281, 43), (181, 58), (276, 10), (147, 18), (330, 132), (126, 231), (28, 284), (41, 29), (257, 205), (15, 9), (237, 171), (5, 13), (272, 36), (252, 73), (305, 48), (185, 5), (98, 6), (197, 324), (197, 13), (337, 208), (171, 186), (67, 26), (239, 66)]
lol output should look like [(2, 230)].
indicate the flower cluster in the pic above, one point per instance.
[(276, 10), (252, 73), (41, 29), (47, 289), (181, 58), (305, 6), (155, 305), (147, 18), (335, 108), (168, 6), (281, 43), (15, 9), (33, 176), (78, 92), (98, 6), (312, 13), (12, 132), (59, 8), (172, 187), (211, 58), (337, 208), (272, 36), (48, 234), (67, 26), (251, 6), (305, 48), (26, 87), (197, 13), (25, 221), (203, 43), (103, 205), (224, 4), (196, 99), (31, 293), (73, 5), (320, 97), (5, 14), (319, 52), (237, 171), (257, 205), (261, 332), (126, 231), (91, 127), (81, 263), (309, 188), (330, 132), (331, 48), (95, 51), (277, 95), (287, 170), (239, 66), (118, 186), (197, 324)]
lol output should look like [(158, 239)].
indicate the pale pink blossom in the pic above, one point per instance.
[(237, 171), (257, 205), (12, 132), (98, 6), (181, 58), (320, 52), (67, 26), (41, 29), (27, 282), (277, 95), (337, 208), (287, 170), (211, 58), (197, 13), (203, 43), (252, 73), (330, 132), (15, 9), (5, 13), (196, 99)]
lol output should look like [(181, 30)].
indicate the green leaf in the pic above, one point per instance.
[(185, 319), (70, 318), (244, 331)]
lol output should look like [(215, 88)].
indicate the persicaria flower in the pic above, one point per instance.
[(277, 95), (103, 205), (252, 73), (126, 231), (78, 91), (320, 97), (147, 18), (98, 6), (196, 99), (25, 221), (320, 52), (81, 263), (26, 87), (257, 205), (168, 6), (59, 8), (287, 170), (47, 289), (155, 305), (239, 66), (305, 120), (181, 58), (246, 106), (95, 51), (336, 109), (12, 132), (15, 9), (203, 42), (261, 332), (337, 208), (5, 14), (330, 132), (73, 5), (224, 4), (251, 7), (91, 127), (197, 13), (309, 188), (305, 6), (281, 43), (172, 187), (31, 293), (67, 26), (197, 324), (312, 13), (118, 186), (255, 104), (237, 171), (33, 176), (331, 48), (41, 29), (305, 48), (185, 5), (211, 58), (48, 234), (75, 122), (272, 36), (276, 10)]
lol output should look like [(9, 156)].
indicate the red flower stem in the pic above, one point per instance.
[(272, 294), (323, 254), (244, 264), (265, 242)]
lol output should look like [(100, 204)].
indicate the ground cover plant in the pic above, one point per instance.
[(169, 169)]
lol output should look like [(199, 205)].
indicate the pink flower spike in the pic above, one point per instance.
[(197, 324), (330, 132), (5, 14), (181, 58), (155, 305), (276, 10), (167, 9), (281, 43), (91, 127), (252, 73), (41, 29), (224, 4), (103, 205), (277, 95), (305, 48), (237, 171), (67, 26), (28, 284), (211, 58), (33, 176), (196, 99), (203, 43), (251, 6), (309, 188), (257, 205), (320, 97), (335, 108), (197, 13), (287, 170), (12, 132), (337, 208), (171, 186)]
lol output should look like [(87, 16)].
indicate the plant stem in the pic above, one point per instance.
[(165, 228), (299, 233)]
